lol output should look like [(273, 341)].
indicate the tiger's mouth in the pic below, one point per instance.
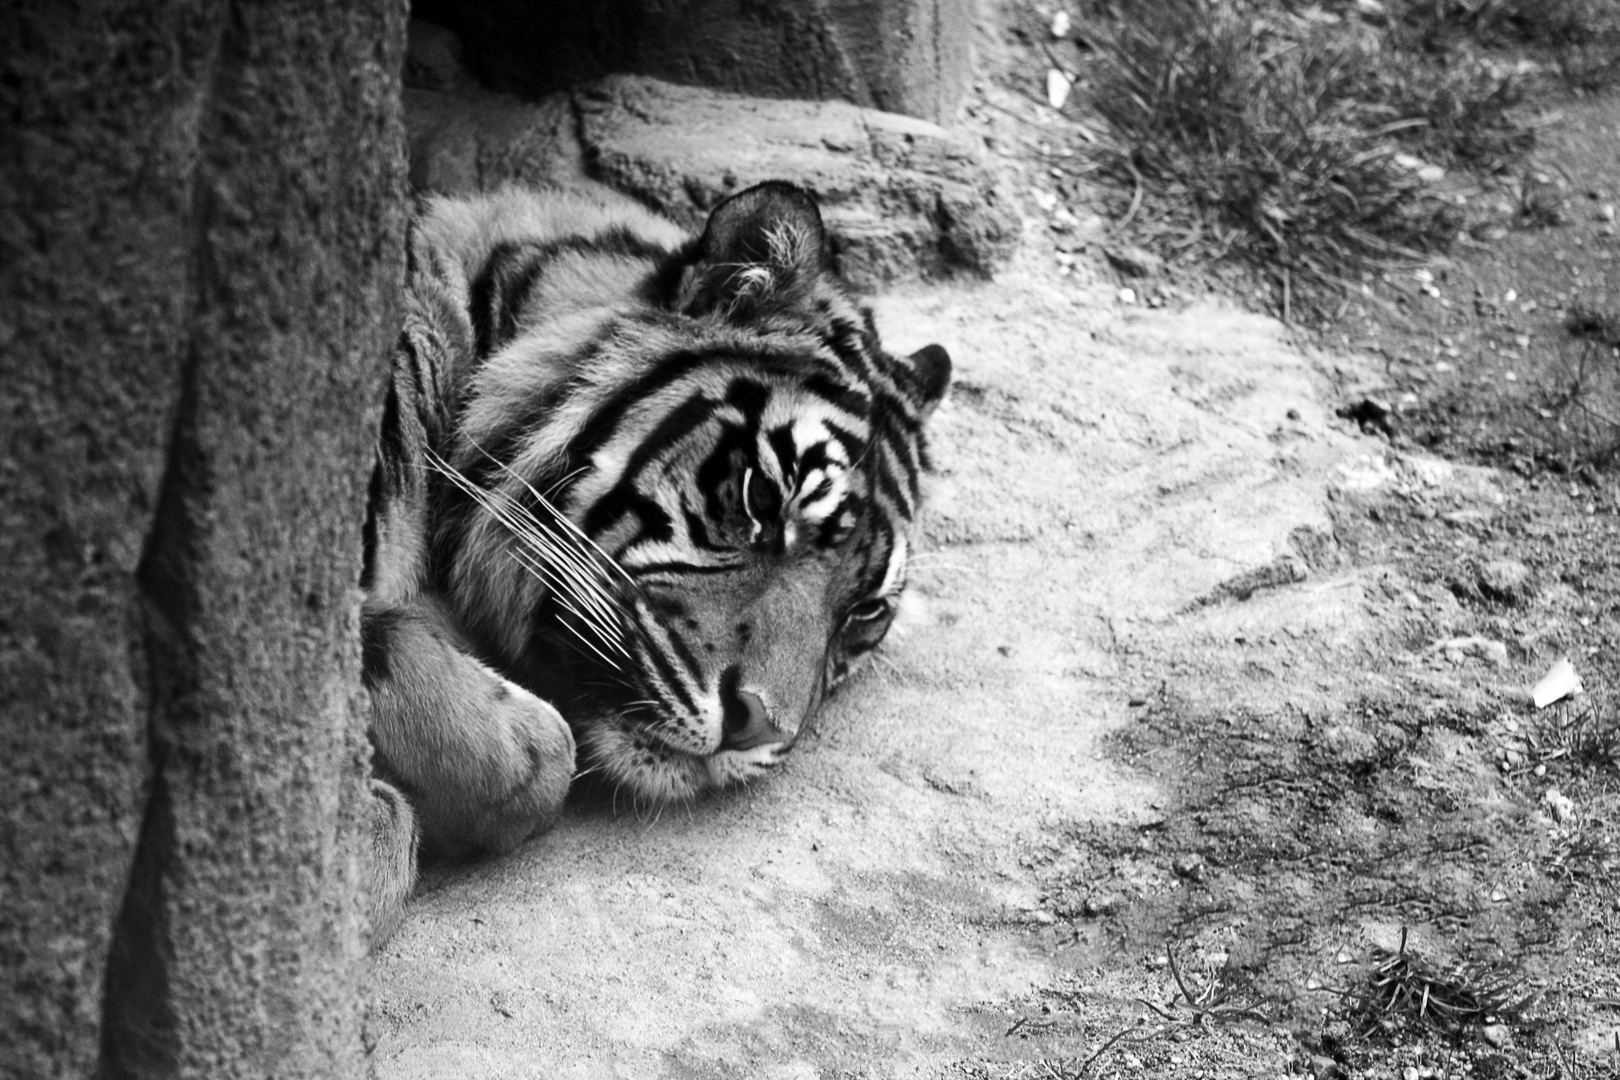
[(630, 755)]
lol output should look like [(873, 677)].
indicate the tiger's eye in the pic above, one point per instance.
[(867, 611), (764, 501)]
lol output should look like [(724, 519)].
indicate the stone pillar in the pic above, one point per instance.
[(200, 225), (902, 56)]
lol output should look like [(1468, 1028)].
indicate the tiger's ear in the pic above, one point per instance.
[(763, 243), (930, 376)]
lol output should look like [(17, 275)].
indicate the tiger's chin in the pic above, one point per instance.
[(631, 761)]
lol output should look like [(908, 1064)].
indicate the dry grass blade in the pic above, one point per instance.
[(1212, 1002), (1584, 425), (1402, 985)]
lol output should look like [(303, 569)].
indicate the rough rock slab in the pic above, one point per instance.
[(903, 199), (199, 263), (1100, 472)]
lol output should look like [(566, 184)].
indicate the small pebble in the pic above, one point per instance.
[(1504, 579), (1101, 904), (1325, 1068), (1495, 1034), (1058, 85)]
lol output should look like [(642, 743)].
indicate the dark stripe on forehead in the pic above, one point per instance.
[(602, 426), (849, 344), (656, 524), (898, 437), (854, 446), (899, 447), (623, 496), (839, 395), (889, 487), (786, 451), (815, 456), (748, 396)]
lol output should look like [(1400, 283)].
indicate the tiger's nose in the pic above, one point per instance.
[(746, 722)]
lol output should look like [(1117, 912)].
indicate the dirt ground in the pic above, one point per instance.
[(1203, 685)]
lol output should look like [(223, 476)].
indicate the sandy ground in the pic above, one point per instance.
[(1101, 470)]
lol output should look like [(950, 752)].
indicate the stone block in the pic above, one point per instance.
[(199, 253), (903, 199), (905, 56)]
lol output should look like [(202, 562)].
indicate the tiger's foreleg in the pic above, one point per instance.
[(483, 763), (392, 868)]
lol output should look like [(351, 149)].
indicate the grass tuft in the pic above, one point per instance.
[(1307, 141), (1578, 402), (1581, 37), (1403, 987), (1584, 730), (1288, 140)]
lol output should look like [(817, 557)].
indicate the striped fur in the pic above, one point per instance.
[(665, 484)]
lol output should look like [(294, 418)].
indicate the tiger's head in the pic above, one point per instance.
[(727, 480)]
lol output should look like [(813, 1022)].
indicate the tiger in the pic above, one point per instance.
[(642, 498)]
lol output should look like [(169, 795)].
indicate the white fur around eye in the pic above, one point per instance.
[(892, 577)]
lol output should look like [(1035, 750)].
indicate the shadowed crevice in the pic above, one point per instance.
[(139, 1036), (139, 1024)]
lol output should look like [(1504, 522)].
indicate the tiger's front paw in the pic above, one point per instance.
[(484, 762), (490, 772), (524, 777)]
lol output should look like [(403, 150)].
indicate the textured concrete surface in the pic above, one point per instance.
[(199, 236)]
